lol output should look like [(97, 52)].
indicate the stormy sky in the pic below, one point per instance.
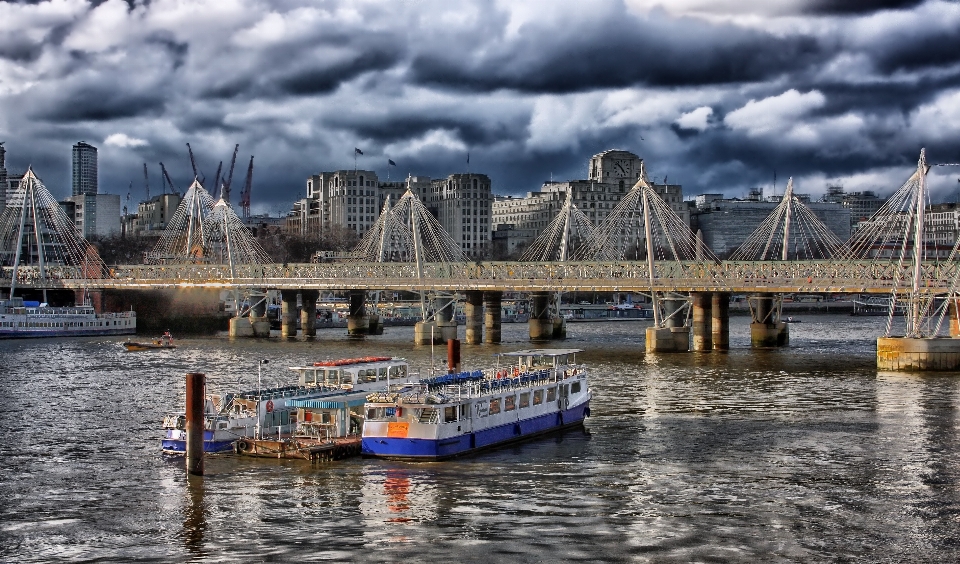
[(717, 95)]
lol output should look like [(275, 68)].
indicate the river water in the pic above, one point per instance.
[(802, 454)]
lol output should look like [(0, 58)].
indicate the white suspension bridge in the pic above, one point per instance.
[(642, 246)]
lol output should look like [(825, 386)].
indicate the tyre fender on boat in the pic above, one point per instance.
[(243, 446)]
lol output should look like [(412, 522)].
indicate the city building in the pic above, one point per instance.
[(612, 174), (94, 214), (862, 205), (463, 204), (84, 169), (3, 177), (725, 224), (355, 198), (152, 215)]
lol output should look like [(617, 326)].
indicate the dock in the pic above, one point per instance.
[(304, 448)]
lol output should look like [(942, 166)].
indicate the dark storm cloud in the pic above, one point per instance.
[(622, 51), (856, 7), (528, 93), (312, 79)]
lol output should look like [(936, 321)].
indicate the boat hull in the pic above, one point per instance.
[(175, 442), (467, 443)]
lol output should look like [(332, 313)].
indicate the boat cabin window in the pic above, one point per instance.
[(380, 413), (368, 375), (560, 360), (537, 397), (551, 394), (309, 376), (509, 403), (332, 378), (575, 388), (449, 414), (494, 406), (524, 400), (399, 370), (382, 373)]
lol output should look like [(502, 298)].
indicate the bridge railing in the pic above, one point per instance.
[(737, 276)]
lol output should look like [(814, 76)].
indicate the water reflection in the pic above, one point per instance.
[(195, 517), (799, 454)]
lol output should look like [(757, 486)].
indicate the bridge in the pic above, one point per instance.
[(642, 247), (811, 276)]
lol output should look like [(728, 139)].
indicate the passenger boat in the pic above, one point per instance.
[(272, 412), (164, 342), (544, 390), (24, 319)]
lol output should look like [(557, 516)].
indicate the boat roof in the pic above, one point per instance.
[(542, 352)]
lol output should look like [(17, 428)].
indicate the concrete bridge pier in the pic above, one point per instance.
[(765, 329), (673, 336), (905, 354), (288, 313), (473, 312), (445, 307), (701, 324), (308, 312), (720, 320), (954, 321), (358, 324), (258, 314), (540, 323), (492, 306)]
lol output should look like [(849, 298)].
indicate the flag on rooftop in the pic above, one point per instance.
[(390, 162), (357, 151)]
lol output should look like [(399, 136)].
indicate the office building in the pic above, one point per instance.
[(84, 169)]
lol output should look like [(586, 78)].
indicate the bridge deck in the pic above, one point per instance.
[(686, 276)]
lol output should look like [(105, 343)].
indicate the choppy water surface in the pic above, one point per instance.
[(800, 454)]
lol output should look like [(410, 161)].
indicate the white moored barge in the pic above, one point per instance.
[(540, 391)]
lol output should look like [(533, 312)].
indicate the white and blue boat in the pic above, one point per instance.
[(540, 391), (272, 412), (25, 319)]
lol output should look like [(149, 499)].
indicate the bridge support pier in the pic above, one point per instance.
[(358, 324), (288, 313), (473, 312), (954, 321), (674, 336), (720, 320), (903, 354), (765, 329), (492, 304), (446, 318), (540, 323), (308, 312), (702, 332), (259, 323)]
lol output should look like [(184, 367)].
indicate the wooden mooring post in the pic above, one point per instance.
[(195, 423)]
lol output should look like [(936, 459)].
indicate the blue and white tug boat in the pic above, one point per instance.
[(544, 390), (272, 412)]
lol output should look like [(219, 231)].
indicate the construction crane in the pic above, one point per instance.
[(166, 177), (146, 181), (193, 163), (245, 193), (226, 185), (216, 179)]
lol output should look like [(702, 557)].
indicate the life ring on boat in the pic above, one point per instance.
[(566, 403), (269, 407), (243, 446)]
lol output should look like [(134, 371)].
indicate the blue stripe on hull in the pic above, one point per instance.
[(433, 449), (173, 446), (179, 446)]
